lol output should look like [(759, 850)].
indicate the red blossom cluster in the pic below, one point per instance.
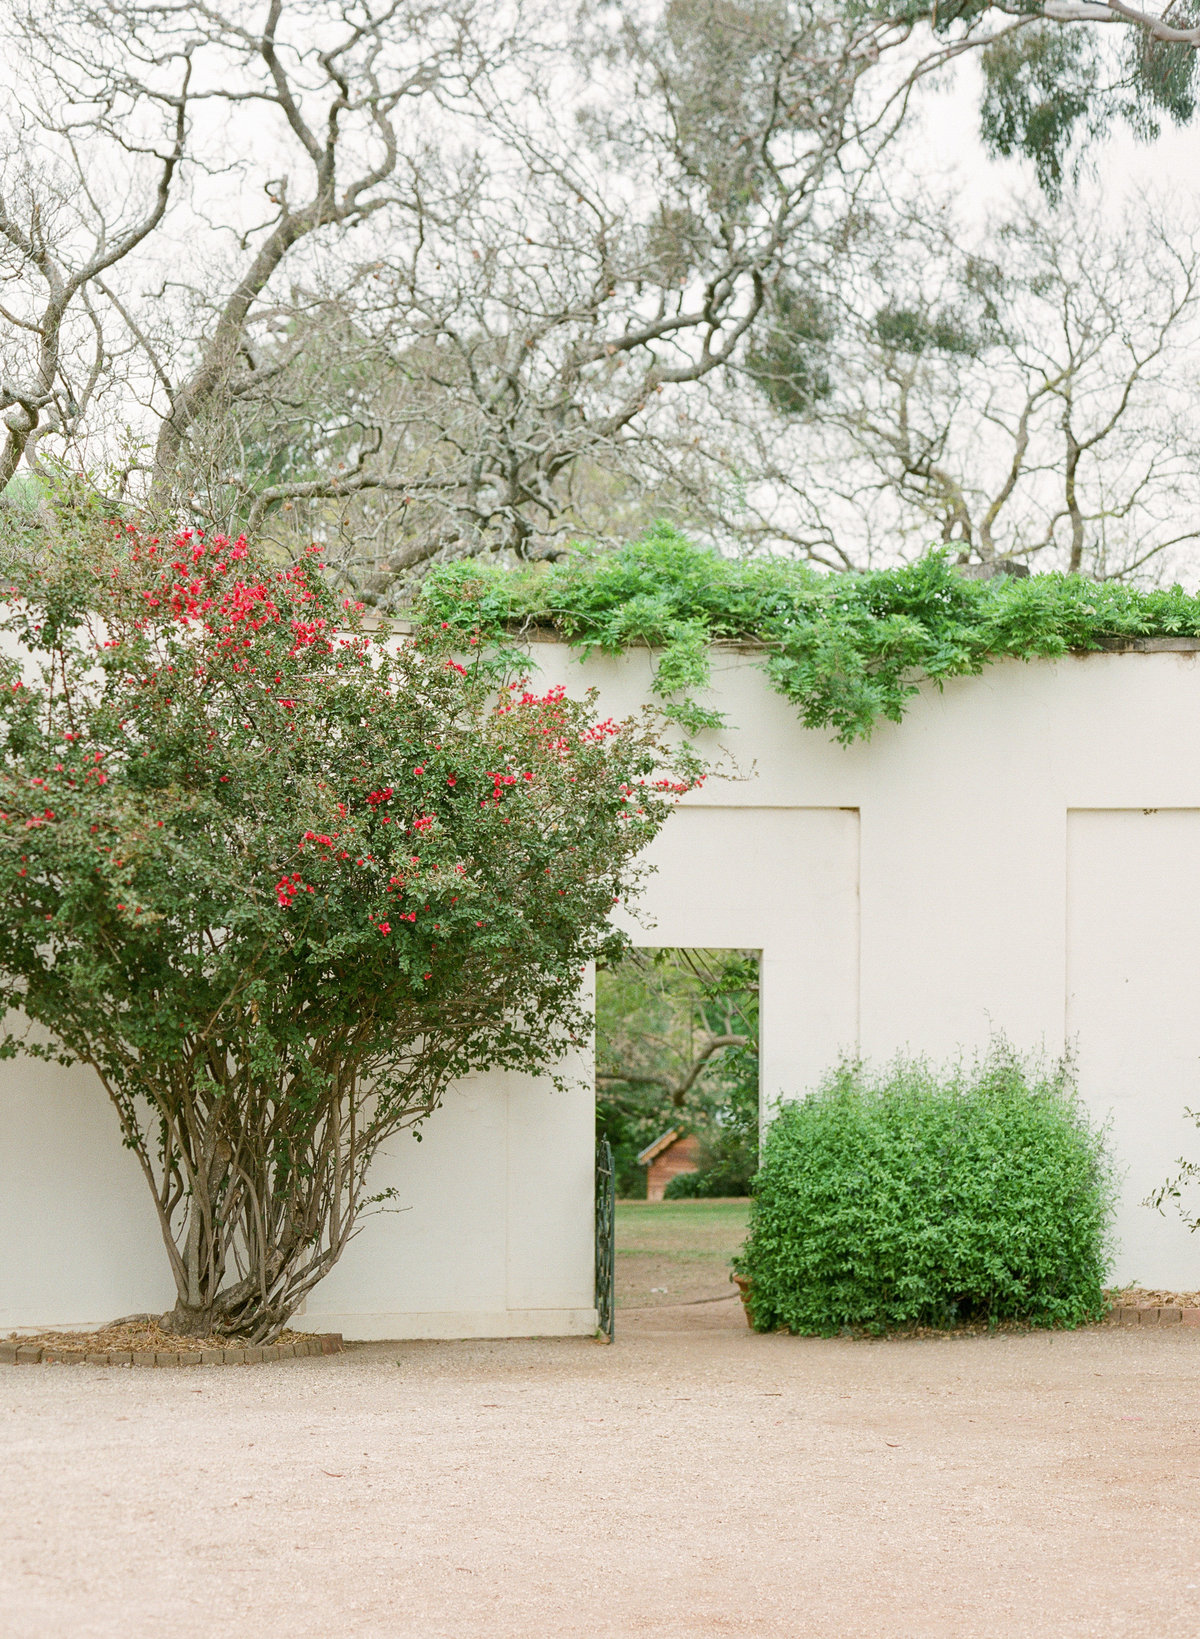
[(499, 783), (261, 614), (288, 887), (599, 732), (305, 632), (552, 697), (200, 581)]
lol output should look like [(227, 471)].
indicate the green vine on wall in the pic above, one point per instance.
[(845, 649)]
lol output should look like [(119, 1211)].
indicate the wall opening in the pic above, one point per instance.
[(677, 1070)]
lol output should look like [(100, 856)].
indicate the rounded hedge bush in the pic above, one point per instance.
[(710, 1183), (909, 1197)]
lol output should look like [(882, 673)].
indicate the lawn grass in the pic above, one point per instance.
[(682, 1246)]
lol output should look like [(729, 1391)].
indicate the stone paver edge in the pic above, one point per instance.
[(1149, 1314), (16, 1354)]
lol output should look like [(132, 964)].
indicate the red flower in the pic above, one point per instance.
[(288, 887)]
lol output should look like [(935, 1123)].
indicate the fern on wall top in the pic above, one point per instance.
[(846, 649)]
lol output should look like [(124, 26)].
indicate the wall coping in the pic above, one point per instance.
[(1133, 645)]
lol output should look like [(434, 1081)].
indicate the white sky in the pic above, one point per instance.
[(947, 146)]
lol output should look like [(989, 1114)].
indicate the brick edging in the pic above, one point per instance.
[(1149, 1314), (18, 1354)]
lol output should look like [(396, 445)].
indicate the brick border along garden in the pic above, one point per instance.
[(1151, 1314), (16, 1354)]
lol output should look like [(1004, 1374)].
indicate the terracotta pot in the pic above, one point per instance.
[(743, 1284)]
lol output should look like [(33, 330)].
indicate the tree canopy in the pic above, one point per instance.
[(278, 879), (432, 281)]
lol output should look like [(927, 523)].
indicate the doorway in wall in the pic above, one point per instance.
[(677, 1070)]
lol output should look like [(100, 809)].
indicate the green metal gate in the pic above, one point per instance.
[(606, 1225)]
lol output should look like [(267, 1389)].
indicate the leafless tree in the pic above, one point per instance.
[(241, 146), (424, 280), (1029, 396), (57, 245), (597, 231)]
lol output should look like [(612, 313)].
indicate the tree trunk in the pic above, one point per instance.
[(257, 1196)]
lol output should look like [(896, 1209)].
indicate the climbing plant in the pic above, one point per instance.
[(845, 649)]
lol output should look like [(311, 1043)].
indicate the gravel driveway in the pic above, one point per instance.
[(694, 1479)]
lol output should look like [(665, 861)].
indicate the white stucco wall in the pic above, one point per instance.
[(491, 1235), (1021, 854), (1024, 857)]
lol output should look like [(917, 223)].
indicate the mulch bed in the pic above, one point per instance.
[(1132, 1306), (1128, 1306), (1142, 1295), (144, 1343)]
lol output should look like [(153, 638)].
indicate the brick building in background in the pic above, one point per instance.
[(675, 1152)]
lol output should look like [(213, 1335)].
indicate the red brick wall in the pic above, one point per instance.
[(683, 1156)]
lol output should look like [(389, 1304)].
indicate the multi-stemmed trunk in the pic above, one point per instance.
[(258, 1187)]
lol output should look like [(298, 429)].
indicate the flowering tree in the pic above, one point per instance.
[(279, 879)]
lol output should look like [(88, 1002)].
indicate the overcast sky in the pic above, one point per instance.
[(947, 145)]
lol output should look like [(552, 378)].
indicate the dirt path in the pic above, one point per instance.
[(693, 1480), (671, 1252)]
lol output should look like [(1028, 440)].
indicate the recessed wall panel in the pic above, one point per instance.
[(1133, 1012), (783, 881)]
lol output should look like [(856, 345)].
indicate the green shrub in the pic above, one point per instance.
[(916, 1198), (722, 1179)]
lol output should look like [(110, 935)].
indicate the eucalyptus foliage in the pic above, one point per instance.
[(910, 1197), (279, 879), (1052, 93), (845, 649)]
